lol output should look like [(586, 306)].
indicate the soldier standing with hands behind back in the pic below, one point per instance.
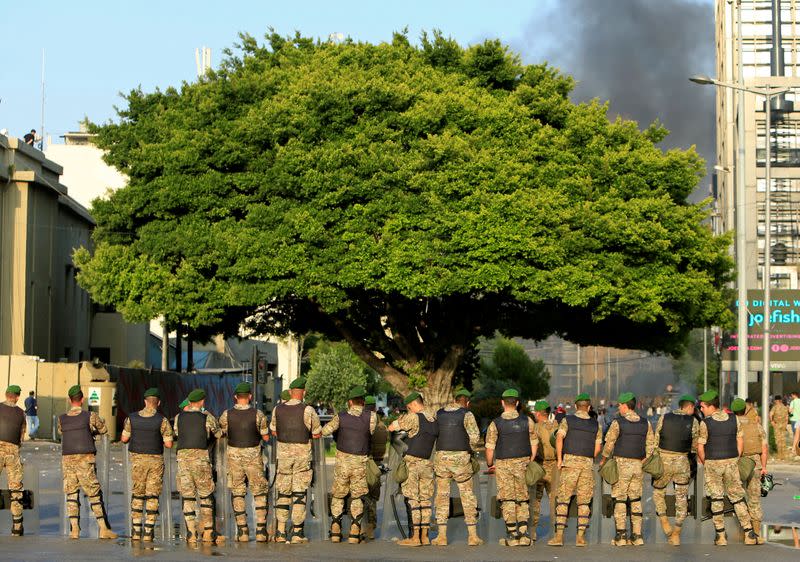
[(630, 440), (246, 428), (511, 444), (12, 432), (147, 432)]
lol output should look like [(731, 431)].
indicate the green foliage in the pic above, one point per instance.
[(510, 367), (407, 199), (334, 371)]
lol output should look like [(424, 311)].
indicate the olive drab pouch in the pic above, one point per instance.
[(533, 473), (610, 471), (373, 473), (654, 466), (746, 467), (401, 472), (476, 465)]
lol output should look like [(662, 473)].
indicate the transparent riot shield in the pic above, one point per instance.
[(394, 523), (225, 523), (601, 526), (165, 504), (270, 450), (104, 465), (495, 527), (127, 491), (318, 503)]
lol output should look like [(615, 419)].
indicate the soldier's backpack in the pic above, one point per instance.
[(654, 466), (373, 473), (610, 471), (533, 473)]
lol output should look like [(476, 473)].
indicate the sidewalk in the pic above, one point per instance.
[(54, 548)]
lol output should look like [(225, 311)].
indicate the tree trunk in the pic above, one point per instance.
[(438, 392)]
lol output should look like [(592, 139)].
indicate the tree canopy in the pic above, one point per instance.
[(335, 370), (510, 367), (405, 198)]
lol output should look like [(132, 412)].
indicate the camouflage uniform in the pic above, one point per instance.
[(80, 471), (546, 454), (147, 476), (371, 499), (418, 488), (779, 417), (512, 490), (10, 461), (754, 440), (246, 467), (576, 476), (457, 466), (722, 478), (294, 470), (676, 472), (349, 476), (628, 488), (196, 477)]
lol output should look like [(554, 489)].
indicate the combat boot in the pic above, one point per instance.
[(299, 534), (261, 532), (751, 538), (473, 539), (424, 540), (191, 531), (148, 534), (242, 533), (620, 539), (355, 534), (580, 538), (675, 536), (665, 526), (106, 533), (523, 539), (17, 530), (280, 532), (636, 539), (74, 528), (511, 535), (412, 540), (721, 539), (558, 538), (441, 538), (136, 531)]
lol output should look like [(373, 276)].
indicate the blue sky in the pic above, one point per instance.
[(96, 49)]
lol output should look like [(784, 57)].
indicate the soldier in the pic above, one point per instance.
[(630, 440), (546, 455), (420, 424), (183, 406), (78, 463), (147, 432), (751, 411), (719, 445), (779, 418), (194, 429), (378, 451), (676, 437), (578, 442), (458, 439), (246, 428), (353, 429), (511, 444), (12, 432), (754, 446), (294, 424)]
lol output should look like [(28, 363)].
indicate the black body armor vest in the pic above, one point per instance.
[(513, 438), (581, 436), (146, 434), (353, 435), (11, 420), (452, 434), (289, 424), (76, 436), (676, 433), (421, 445), (192, 432), (632, 440), (242, 429)]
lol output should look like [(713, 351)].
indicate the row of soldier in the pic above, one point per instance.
[(513, 441)]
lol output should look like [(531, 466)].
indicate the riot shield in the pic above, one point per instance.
[(225, 523), (165, 504), (270, 450), (495, 527), (318, 510), (127, 491), (395, 521)]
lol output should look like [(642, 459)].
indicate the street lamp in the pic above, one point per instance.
[(768, 92)]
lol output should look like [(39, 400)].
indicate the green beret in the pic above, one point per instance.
[(738, 405), (183, 404), (708, 396), (462, 392), (625, 397), (74, 391), (357, 392), (285, 395), (152, 392), (369, 400), (686, 398), (510, 393), (582, 396), (243, 388), (196, 395), (299, 382), (540, 406), (411, 397), (14, 389)]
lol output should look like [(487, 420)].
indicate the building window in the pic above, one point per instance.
[(785, 144)]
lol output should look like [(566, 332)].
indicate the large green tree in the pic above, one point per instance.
[(406, 199)]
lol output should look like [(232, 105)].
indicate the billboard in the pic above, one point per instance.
[(784, 322)]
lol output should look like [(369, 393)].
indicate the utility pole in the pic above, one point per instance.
[(578, 391)]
